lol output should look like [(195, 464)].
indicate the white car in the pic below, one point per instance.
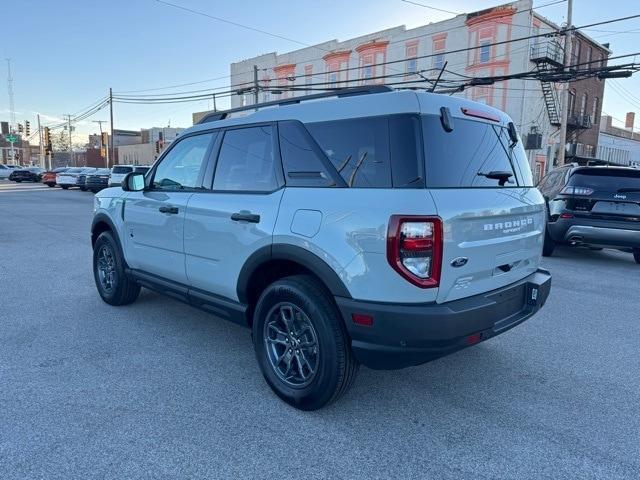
[(5, 171), (118, 173), (68, 178)]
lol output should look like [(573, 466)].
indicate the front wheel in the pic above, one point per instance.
[(301, 344), (84, 189), (65, 187), (51, 184), (636, 255), (114, 286)]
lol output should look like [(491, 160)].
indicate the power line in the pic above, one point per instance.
[(430, 7)]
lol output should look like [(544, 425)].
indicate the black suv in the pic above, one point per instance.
[(592, 206)]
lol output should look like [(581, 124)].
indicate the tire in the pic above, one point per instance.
[(51, 184), (84, 189), (113, 285), (636, 255), (18, 181), (300, 302), (65, 187), (549, 244)]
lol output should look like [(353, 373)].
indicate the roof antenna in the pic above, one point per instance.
[(433, 89)]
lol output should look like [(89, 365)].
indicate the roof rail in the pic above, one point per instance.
[(343, 92)]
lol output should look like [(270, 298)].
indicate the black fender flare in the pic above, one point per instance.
[(299, 255), (104, 218)]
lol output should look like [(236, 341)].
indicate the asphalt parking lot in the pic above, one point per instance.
[(158, 389)]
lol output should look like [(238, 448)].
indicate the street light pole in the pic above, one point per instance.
[(565, 89)]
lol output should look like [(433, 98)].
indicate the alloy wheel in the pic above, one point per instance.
[(106, 268), (291, 344)]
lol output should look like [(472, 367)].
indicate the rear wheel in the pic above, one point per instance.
[(65, 187), (301, 344), (84, 189), (636, 255), (51, 184), (114, 286)]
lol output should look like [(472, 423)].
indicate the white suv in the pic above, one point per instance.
[(387, 228)]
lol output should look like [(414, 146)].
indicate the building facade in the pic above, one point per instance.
[(470, 47), (619, 146)]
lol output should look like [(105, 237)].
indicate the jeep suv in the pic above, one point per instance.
[(593, 206), (368, 226)]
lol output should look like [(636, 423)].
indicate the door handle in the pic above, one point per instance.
[(172, 210), (245, 217)]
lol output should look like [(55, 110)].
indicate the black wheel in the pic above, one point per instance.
[(549, 244), (51, 184), (113, 285), (65, 187), (636, 255), (301, 344), (84, 189), (18, 181)]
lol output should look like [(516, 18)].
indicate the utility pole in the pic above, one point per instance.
[(214, 103), (12, 109), (106, 156), (255, 84), (41, 143), (565, 89), (70, 142), (111, 156)]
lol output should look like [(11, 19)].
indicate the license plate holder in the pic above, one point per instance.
[(617, 208)]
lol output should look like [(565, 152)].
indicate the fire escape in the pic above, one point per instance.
[(548, 54)]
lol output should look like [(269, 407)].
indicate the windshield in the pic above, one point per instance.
[(472, 154), (118, 170)]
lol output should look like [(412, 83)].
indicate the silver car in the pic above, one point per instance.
[(368, 226)]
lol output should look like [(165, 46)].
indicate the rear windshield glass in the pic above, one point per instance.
[(606, 179), (473, 149), (121, 170), (141, 169)]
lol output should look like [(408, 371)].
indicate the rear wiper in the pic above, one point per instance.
[(626, 190), (500, 175)]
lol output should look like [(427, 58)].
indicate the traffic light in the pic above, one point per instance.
[(27, 128), (20, 129), (47, 140)]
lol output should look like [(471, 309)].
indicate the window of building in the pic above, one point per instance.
[(308, 78), (180, 167), (576, 53), (246, 161), (485, 51), (572, 102), (594, 111), (412, 62), (583, 105), (439, 46), (588, 58)]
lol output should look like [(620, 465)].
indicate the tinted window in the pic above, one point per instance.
[(358, 149), (457, 158), (406, 146), (141, 169), (521, 164), (246, 161), (181, 166), (301, 159), (606, 179), (120, 169)]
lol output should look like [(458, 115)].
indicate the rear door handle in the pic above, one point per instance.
[(245, 217), (171, 210)]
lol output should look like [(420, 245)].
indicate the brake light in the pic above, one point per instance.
[(414, 248), (576, 191)]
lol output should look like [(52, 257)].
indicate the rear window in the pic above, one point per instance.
[(118, 169), (612, 179), (141, 169), (459, 158), (373, 152)]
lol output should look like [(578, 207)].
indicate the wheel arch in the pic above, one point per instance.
[(102, 223)]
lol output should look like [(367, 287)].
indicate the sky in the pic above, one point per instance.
[(65, 55)]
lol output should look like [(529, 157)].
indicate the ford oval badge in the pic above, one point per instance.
[(459, 262)]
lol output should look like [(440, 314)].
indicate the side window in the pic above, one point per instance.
[(181, 166), (358, 149), (303, 164), (246, 161)]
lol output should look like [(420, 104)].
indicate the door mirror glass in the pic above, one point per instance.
[(133, 182)]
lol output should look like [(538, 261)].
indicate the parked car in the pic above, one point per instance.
[(68, 178), (596, 207), (118, 172), (267, 219), (98, 180), (29, 174), (82, 177), (5, 171), (49, 177)]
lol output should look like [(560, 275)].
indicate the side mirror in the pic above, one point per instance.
[(133, 182)]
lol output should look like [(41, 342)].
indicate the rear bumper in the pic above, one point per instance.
[(595, 232), (405, 335)]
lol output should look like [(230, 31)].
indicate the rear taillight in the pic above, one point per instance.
[(576, 191), (414, 248)]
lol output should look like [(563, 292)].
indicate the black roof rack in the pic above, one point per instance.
[(343, 92)]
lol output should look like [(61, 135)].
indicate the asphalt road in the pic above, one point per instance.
[(158, 389)]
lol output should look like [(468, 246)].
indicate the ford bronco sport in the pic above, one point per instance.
[(368, 226)]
